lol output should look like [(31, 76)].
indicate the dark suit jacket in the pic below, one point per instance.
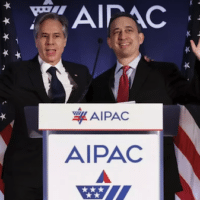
[(22, 85), (154, 82)]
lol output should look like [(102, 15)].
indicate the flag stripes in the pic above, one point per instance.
[(5, 136), (3, 147), (188, 140), (6, 133), (187, 193), (188, 179), (190, 127), (1, 195), (185, 145), (10, 52), (188, 157), (1, 182)]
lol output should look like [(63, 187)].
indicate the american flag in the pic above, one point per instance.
[(187, 142), (9, 51)]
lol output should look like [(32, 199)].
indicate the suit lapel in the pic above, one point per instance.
[(111, 82), (36, 79), (142, 72), (75, 93)]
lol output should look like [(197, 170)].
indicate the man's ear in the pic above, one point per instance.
[(36, 43), (141, 38), (109, 42), (65, 42)]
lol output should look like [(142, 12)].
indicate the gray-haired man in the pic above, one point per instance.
[(29, 83)]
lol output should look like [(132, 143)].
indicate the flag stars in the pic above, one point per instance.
[(187, 65), (92, 189), (5, 53), (6, 21), (88, 195), (7, 5), (16, 40), (3, 68), (3, 116), (84, 189), (100, 189), (18, 55), (189, 18), (190, 2), (96, 195), (187, 49), (188, 34), (6, 37)]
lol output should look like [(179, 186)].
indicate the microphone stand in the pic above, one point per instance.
[(100, 41)]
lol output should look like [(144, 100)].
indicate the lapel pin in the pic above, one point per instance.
[(75, 75)]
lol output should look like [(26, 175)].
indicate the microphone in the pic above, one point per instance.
[(100, 41)]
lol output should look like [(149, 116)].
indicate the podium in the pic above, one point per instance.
[(103, 151)]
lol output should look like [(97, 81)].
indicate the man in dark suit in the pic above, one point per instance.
[(29, 83), (148, 82)]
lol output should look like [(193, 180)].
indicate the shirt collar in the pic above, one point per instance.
[(45, 66), (132, 64)]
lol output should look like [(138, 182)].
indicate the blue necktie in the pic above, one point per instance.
[(56, 88)]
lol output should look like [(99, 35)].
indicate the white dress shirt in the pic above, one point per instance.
[(130, 73), (61, 73)]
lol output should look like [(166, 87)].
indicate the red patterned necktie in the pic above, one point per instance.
[(123, 91)]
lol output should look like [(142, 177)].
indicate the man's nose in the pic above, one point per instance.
[(122, 35), (50, 40)]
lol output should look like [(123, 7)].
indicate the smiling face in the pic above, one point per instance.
[(51, 41), (124, 39)]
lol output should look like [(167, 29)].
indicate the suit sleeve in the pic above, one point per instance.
[(178, 88), (182, 90), (6, 84), (195, 82)]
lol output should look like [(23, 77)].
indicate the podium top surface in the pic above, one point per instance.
[(170, 119), (97, 117)]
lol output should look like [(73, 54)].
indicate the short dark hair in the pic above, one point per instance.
[(123, 14), (44, 16)]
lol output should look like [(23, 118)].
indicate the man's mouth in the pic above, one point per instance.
[(124, 45), (51, 51)]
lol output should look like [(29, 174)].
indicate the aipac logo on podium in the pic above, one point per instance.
[(104, 192), (79, 115)]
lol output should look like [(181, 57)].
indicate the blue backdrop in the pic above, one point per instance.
[(164, 24)]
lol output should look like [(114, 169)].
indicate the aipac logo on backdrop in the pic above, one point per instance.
[(47, 7), (84, 17), (100, 191), (79, 115)]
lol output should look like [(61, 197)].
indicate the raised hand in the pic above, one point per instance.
[(196, 49)]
